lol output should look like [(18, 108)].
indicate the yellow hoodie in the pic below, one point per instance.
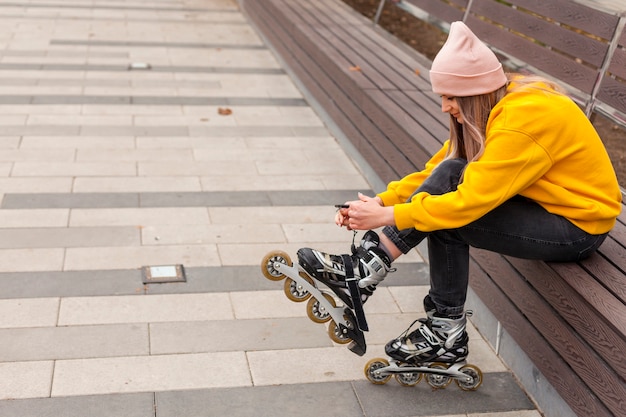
[(539, 145)]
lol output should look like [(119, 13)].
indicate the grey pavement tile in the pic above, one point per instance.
[(124, 68), (70, 283), (134, 131), (302, 400), (39, 130), (60, 237), (499, 392), (150, 8), (70, 200), (120, 405), (153, 44), (309, 131), (303, 198), (201, 199), (68, 99), (73, 342), (243, 131), (236, 335), (57, 99)]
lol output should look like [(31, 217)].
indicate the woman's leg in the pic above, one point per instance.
[(442, 180), (520, 228)]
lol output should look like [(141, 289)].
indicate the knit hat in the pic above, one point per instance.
[(465, 66)]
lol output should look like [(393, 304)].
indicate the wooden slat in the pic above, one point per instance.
[(441, 10), (547, 357), (551, 36), (613, 93), (574, 14), (572, 310), (564, 69)]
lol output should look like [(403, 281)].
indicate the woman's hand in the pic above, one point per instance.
[(364, 214)]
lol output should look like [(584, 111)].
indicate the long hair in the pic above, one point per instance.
[(467, 140)]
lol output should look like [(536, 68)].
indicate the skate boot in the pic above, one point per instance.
[(370, 265), (437, 339), (344, 327), (437, 348)]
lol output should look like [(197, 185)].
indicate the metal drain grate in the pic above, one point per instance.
[(163, 274)]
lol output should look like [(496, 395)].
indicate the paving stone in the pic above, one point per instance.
[(150, 373), (34, 218), (127, 405), (334, 399), (59, 237), (237, 335), (138, 217), (75, 311), (206, 234), (53, 343), (29, 259), (498, 393), (70, 200), (28, 312), (25, 379)]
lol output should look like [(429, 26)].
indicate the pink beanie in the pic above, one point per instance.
[(465, 66)]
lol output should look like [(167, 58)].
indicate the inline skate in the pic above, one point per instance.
[(351, 278), (437, 349)]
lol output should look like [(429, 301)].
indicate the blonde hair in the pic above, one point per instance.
[(467, 140)]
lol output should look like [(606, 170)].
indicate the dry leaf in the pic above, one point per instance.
[(417, 72), (224, 111), (355, 68)]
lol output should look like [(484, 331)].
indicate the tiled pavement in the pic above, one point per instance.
[(107, 166)]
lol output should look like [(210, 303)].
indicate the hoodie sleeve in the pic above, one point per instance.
[(511, 162), (400, 191)]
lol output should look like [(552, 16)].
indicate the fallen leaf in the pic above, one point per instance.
[(355, 68), (224, 111), (417, 72)]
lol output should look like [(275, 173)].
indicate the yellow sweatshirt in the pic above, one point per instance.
[(539, 145)]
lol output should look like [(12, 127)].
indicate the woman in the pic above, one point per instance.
[(523, 173)]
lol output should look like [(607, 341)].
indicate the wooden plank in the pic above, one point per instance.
[(613, 93), (440, 9), (374, 50), (571, 310), (552, 36), (574, 14), (566, 70), (483, 267), (412, 69), (595, 313), (617, 67), (424, 127)]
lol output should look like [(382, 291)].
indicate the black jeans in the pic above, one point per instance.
[(519, 227)]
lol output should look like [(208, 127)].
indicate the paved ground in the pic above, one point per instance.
[(106, 168)]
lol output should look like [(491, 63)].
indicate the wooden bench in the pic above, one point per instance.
[(569, 319)]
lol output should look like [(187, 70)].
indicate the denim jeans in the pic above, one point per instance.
[(519, 227)]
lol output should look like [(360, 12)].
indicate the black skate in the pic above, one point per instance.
[(370, 265), (437, 348), (321, 306)]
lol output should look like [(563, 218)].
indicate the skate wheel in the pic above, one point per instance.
[(475, 378), (336, 334), (267, 265), (438, 380), (408, 379), (372, 371), (317, 312), (295, 292)]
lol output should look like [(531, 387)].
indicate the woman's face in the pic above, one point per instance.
[(450, 105)]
